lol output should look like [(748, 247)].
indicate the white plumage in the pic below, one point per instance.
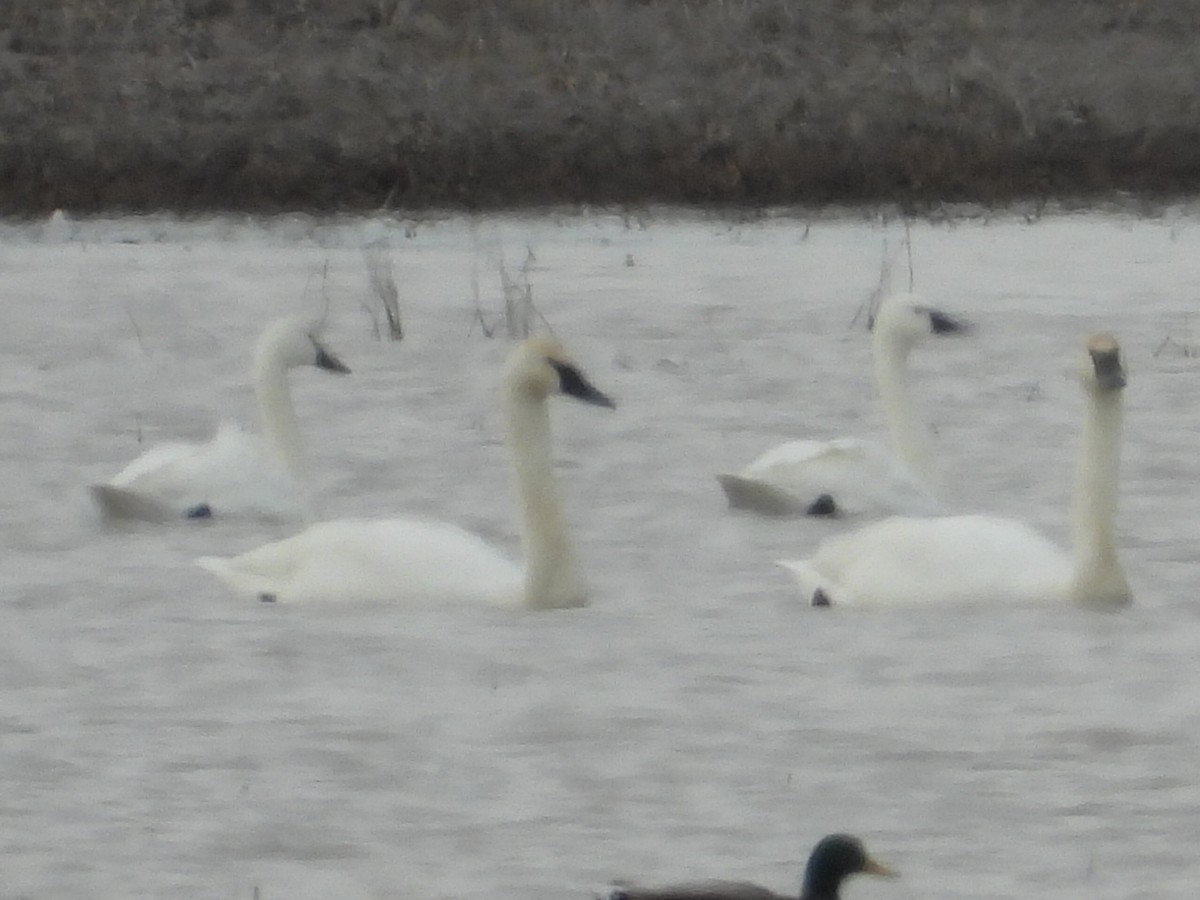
[(422, 561), (237, 473), (363, 560), (989, 559), (852, 476)]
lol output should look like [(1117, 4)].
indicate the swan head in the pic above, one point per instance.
[(539, 367), (1103, 372), (906, 320), (294, 341), (835, 858)]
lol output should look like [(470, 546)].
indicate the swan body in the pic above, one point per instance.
[(361, 560), (422, 561), (236, 473), (835, 858), (850, 476), (990, 559), (911, 561), (843, 476)]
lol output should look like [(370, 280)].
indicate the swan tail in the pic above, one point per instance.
[(768, 500), (119, 503), (239, 582), (813, 588), (746, 493)]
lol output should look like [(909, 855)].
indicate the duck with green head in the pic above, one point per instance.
[(834, 859)]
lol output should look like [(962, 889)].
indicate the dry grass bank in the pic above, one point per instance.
[(267, 105)]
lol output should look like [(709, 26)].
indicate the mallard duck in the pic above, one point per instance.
[(833, 859)]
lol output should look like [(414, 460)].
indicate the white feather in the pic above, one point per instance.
[(856, 476), (989, 559), (236, 473), (420, 561)]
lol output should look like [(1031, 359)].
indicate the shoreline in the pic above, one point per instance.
[(378, 106), (1171, 210)]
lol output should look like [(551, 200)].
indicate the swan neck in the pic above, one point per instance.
[(552, 577), (1098, 579), (277, 415), (908, 437)]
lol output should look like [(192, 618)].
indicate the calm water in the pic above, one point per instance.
[(159, 739)]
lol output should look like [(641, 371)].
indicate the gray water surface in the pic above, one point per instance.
[(158, 739)]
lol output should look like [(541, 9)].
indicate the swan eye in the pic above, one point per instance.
[(573, 383)]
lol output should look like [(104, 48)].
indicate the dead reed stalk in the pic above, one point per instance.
[(383, 286)]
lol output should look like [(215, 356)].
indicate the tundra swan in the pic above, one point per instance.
[(412, 560), (851, 476), (835, 858), (235, 473), (988, 559)]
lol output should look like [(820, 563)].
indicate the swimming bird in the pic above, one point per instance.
[(422, 561), (990, 559), (835, 858), (235, 473), (852, 476)]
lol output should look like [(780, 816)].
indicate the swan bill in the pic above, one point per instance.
[(574, 383), (1106, 362), (329, 362), (941, 323)]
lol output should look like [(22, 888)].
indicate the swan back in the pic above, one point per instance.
[(906, 561), (395, 560), (232, 473), (840, 477)]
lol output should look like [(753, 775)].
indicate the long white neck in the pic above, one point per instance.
[(277, 415), (552, 576), (1098, 579), (908, 435)]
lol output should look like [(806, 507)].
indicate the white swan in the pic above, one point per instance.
[(235, 473), (850, 476), (417, 561), (987, 559)]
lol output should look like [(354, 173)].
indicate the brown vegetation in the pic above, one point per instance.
[(266, 105)]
